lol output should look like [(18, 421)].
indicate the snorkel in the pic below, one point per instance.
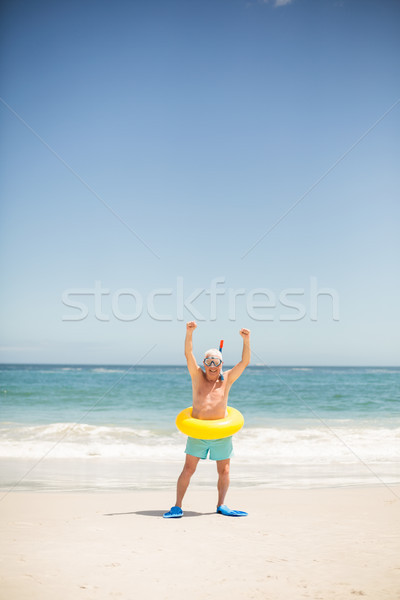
[(213, 363), (221, 345)]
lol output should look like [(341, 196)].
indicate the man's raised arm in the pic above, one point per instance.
[(190, 359), (238, 369)]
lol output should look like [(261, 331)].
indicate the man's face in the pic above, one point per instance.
[(212, 366)]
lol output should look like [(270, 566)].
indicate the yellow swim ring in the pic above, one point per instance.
[(212, 429)]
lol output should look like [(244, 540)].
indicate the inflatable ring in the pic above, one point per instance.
[(209, 429)]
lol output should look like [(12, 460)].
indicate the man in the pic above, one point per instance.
[(210, 399)]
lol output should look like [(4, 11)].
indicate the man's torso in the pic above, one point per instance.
[(210, 399)]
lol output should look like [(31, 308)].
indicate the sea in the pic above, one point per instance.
[(112, 428)]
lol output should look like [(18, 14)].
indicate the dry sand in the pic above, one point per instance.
[(326, 544)]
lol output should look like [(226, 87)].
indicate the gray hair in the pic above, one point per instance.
[(213, 352)]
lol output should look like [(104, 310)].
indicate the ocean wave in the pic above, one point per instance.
[(71, 440), (267, 445), (380, 370), (108, 370), (345, 445)]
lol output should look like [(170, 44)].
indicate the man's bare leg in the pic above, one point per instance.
[(223, 467), (184, 478)]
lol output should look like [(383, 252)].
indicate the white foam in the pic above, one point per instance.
[(345, 445), (71, 440), (269, 446)]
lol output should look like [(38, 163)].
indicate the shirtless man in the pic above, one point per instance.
[(210, 399)]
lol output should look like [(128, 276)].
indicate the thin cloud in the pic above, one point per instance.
[(19, 348)]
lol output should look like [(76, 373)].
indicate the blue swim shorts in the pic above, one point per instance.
[(220, 449)]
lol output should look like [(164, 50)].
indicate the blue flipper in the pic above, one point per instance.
[(174, 513), (229, 512)]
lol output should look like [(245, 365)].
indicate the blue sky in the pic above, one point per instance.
[(148, 146)]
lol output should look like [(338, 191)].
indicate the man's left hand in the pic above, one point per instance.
[(245, 333)]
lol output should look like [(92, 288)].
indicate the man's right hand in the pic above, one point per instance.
[(193, 367)]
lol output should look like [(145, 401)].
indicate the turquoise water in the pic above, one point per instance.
[(152, 395), (315, 425)]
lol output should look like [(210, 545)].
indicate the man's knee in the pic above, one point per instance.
[(189, 468), (223, 469)]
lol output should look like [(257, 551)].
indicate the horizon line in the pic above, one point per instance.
[(257, 365)]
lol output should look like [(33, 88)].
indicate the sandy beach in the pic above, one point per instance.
[(317, 544)]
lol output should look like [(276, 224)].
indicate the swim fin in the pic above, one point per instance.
[(175, 513), (229, 512)]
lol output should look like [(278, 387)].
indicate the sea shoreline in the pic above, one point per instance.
[(99, 474)]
